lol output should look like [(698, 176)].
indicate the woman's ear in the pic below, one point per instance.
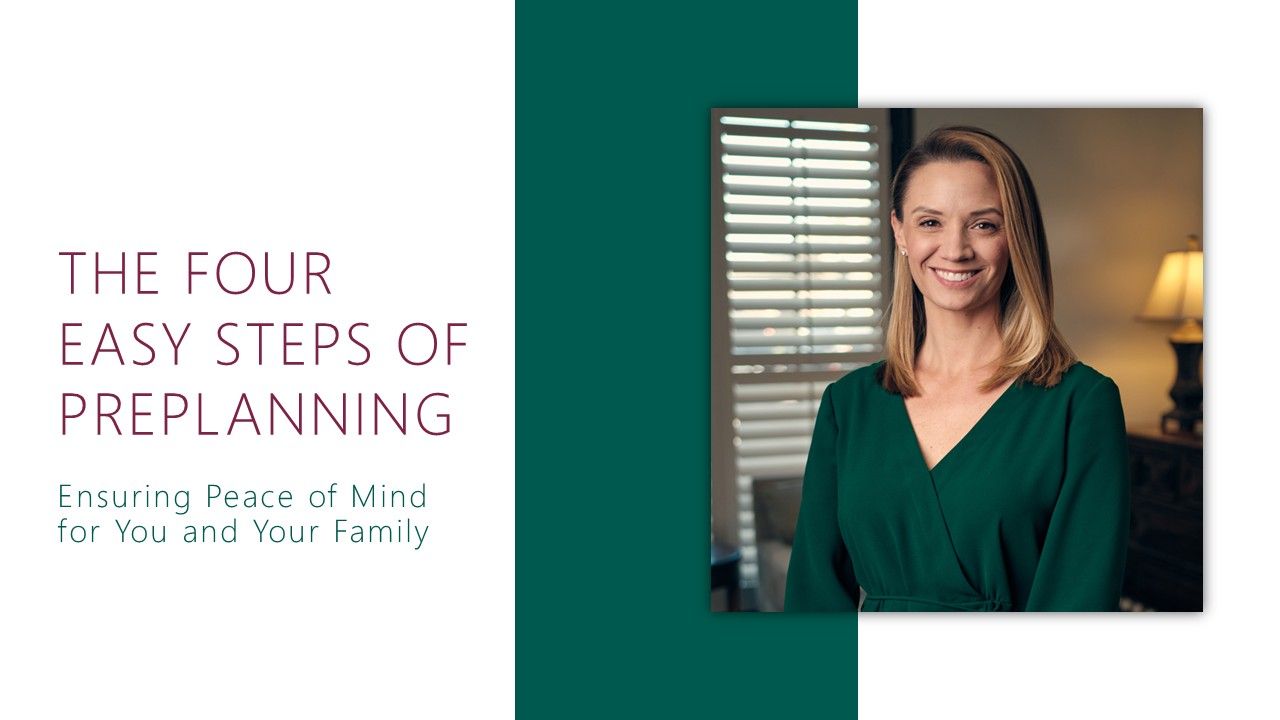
[(896, 224)]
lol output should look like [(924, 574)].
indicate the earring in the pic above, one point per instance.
[(903, 251)]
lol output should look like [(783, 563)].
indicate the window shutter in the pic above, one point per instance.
[(799, 208)]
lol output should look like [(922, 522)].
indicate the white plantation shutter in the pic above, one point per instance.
[(799, 278)]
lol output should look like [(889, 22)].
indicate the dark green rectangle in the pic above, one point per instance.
[(612, 312)]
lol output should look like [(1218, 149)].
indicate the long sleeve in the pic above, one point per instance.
[(1081, 564), (820, 577)]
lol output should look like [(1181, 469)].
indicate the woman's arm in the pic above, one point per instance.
[(820, 576), (1082, 562)]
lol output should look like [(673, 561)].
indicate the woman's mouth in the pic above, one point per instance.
[(955, 279)]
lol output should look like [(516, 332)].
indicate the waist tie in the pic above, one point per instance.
[(974, 605)]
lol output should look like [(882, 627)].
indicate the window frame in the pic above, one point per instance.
[(896, 126)]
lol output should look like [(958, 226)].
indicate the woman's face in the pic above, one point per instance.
[(954, 234)]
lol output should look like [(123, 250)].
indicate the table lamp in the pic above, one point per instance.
[(1178, 295)]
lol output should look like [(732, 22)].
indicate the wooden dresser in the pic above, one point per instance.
[(1164, 570)]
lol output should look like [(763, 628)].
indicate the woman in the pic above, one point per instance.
[(980, 466)]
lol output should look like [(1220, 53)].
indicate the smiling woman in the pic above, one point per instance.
[(980, 465)]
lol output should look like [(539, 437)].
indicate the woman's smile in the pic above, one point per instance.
[(953, 279)]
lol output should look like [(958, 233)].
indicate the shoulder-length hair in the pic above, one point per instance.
[(1033, 348)]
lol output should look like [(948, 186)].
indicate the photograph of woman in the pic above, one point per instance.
[(981, 465)]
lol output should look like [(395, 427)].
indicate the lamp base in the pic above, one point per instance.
[(1187, 416)]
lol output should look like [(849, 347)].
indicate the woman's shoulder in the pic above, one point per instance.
[(1082, 377), (1081, 386), (859, 381), (869, 373), (856, 394)]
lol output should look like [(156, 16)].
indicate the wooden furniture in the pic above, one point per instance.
[(1164, 570)]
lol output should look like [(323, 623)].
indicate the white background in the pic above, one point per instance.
[(1219, 663), (380, 133)]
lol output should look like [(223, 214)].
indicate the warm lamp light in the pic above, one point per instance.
[(1178, 295)]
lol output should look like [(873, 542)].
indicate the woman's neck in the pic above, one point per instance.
[(960, 344)]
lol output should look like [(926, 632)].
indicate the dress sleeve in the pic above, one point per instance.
[(820, 576), (1081, 565)]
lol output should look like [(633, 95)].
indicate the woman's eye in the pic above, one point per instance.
[(988, 225), (925, 223)]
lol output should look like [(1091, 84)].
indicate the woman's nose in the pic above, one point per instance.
[(955, 245)]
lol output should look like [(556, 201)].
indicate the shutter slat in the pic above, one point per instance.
[(766, 166), (804, 283), (799, 210), (797, 248), (778, 390), (800, 427), (741, 303), (746, 187), (747, 339), (746, 366), (790, 133), (787, 224), (778, 412), (743, 146), (768, 447), (803, 266), (803, 322), (776, 466)]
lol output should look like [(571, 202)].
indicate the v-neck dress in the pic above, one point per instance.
[(1029, 511)]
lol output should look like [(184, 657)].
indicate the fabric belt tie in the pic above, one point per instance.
[(975, 605)]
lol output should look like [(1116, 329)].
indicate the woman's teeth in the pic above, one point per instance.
[(956, 277)]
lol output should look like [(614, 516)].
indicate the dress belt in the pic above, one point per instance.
[(977, 604)]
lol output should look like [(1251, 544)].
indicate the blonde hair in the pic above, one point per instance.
[(1033, 347)]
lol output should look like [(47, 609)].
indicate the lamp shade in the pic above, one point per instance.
[(1179, 290)]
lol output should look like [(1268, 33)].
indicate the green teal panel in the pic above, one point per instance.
[(612, 354)]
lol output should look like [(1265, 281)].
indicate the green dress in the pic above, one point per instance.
[(1029, 511)]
